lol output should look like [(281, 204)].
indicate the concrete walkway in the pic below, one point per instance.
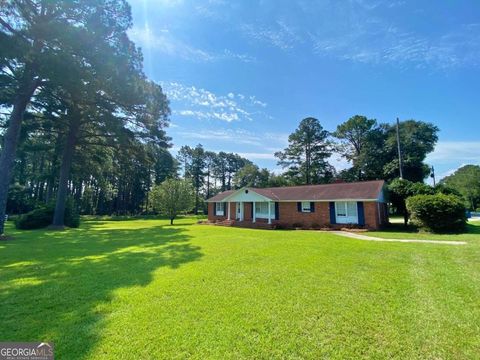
[(371, 238)]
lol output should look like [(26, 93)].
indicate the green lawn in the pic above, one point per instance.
[(398, 231), (144, 289)]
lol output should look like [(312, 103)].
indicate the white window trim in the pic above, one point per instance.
[(348, 218), (305, 206), (221, 211), (264, 215)]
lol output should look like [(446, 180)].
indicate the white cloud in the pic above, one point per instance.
[(163, 41), (203, 104), (239, 136), (281, 35), (168, 45), (339, 162), (376, 40), (257, 156), (455, 151), (447, 173), (254, 101), (362, 31)]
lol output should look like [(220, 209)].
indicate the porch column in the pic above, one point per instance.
[(254, 212), (228, 210), (269, 212)]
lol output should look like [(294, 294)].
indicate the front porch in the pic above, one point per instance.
[(262, 212), (244, 206)]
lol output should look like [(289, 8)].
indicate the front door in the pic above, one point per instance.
[(239, 212)]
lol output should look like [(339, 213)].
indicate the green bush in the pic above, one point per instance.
[(35, 219), (42, 217), (437, 213)]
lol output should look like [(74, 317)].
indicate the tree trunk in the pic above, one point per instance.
[(68, 150), (7, 157), (196, 202), (208, 184), (171, 221)]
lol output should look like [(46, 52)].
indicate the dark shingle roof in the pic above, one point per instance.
[(365, 190)]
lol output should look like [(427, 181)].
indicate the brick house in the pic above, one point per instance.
[(361, 204)]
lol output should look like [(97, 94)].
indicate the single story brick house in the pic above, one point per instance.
[(331, 205)]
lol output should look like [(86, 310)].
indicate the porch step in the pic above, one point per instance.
[(245, 224), (225, 223)]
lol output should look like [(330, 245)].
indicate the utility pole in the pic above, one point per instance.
[(433, 175), (399, 149)]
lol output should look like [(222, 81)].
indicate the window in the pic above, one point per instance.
[(346, 212), (220, 209), (341, 209), (261, 210), (306, 207)]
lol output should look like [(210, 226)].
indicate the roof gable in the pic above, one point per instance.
[(243, 194)]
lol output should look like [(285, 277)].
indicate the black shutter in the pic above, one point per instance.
[(299, 206), (214, 209), (277, 211), (332, 213), (360, 213), (312, 206), (251, 211)]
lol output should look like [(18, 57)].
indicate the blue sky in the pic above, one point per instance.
[(240, 75)]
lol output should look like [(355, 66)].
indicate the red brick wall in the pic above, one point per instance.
[(371, 215), (289, 215), (376, 215), (213, 217)]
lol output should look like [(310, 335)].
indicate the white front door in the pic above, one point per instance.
[(239, 212)]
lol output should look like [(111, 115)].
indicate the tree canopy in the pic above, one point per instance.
[(466, 180), (172, 197), (371, 149), (72, 66), (306, 157)]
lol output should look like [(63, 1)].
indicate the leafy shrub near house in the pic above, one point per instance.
[(42, 217), (437, 213), (316, 226)]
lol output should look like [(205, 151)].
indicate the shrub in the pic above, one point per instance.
[(437, 213), (35, 219), (42, 217), (316, 226)]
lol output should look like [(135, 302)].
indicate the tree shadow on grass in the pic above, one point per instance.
[(58, 286), (473, 229)]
